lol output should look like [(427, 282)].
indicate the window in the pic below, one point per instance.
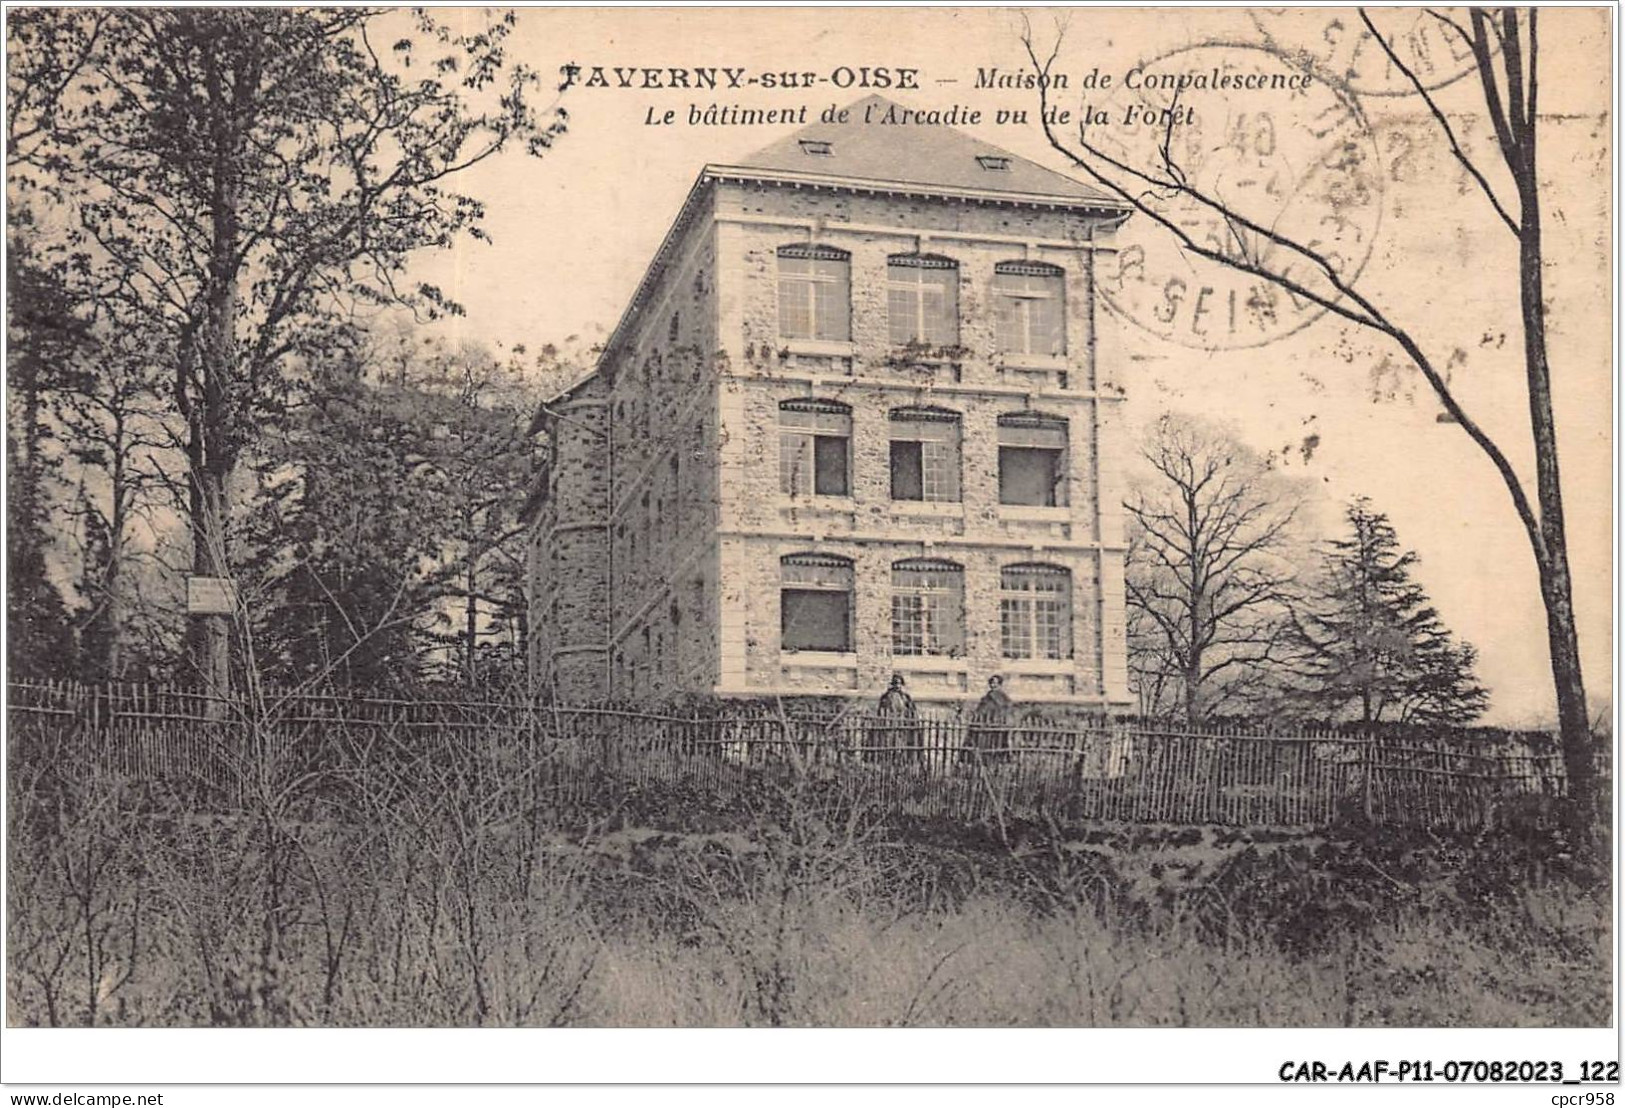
[(993, 161), (1030, 303), (814, 436), (1032, 459), (815, 603), (925, 454), (819, 147), (922, 299), (927, 607), (815, 293), (1035, 612)]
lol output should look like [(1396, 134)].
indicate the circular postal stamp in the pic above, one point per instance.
[(1337, 46), (1298, 163)]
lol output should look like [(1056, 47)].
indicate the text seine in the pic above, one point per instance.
[(727, 77)]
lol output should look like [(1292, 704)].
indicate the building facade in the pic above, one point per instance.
[(859, 419)]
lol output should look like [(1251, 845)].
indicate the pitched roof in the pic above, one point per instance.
[(907, 153)]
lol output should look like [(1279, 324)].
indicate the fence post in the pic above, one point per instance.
[(1370, 762), (924, 765)]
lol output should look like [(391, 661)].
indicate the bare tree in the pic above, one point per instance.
[(1208, 571), (1504, 46), (46, 331), (112, 425)]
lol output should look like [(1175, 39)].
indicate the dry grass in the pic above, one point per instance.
[(128, 909)]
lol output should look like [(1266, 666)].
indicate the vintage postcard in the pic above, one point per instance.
[(891, 517)]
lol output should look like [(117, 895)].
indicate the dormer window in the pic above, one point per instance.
[(993, 161), (821, 148)]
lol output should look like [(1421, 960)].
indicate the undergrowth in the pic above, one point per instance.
[(412, 906)]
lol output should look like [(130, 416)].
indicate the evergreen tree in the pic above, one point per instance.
[(1368, 644), (39, 638), (1290, 255)]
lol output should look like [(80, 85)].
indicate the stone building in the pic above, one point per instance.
[(858, 419)]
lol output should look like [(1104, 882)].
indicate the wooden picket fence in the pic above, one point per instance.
[(517, 756)]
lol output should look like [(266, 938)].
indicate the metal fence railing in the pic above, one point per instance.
[(531, 754)]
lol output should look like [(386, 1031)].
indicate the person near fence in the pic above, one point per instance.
[(989, 738), (897, 721)]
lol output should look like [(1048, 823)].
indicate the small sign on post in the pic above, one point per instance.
[(210, 596)]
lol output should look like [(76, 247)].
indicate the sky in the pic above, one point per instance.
[(572, 233)]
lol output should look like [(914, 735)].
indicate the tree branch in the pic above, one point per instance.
[(1444, 123), (1369, 317)]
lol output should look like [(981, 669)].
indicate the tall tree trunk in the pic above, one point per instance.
[(1573, 718), (1194, 708), (33, 431), (211, 461), (212, 458), (113, 651), (109, 645), (210, 634), (1551, 554), (1193, 688), (213, 449), (1198, 570)]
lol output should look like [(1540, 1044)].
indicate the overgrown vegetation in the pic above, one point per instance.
[(406, 892), (213, 216)]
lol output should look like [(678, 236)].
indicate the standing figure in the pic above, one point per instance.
[(896, 717), (990, 724)]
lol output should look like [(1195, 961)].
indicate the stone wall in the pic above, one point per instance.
[(568, 552), (662, 382), (871, 228), (759, 524), (687, 589), (754, 664)]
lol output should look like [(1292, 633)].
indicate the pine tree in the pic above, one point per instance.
[(1369, 645)]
